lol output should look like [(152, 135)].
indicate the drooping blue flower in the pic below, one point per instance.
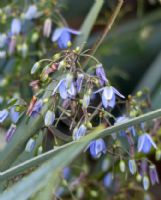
[(79, 82), (97, 148), (63, 36), (153, 175), (108, 96), (14, 115), (107, 180), (31, 13), (3, 39), (145, 142), (15, 26), (36, 108), (79, 132), (101, 74), (9, 134), (66, 87), (3, 115)]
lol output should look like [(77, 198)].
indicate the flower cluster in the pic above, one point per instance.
[(80, 100)]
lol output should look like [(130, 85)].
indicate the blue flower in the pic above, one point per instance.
[(3, 115), (108, 179), (153, 175), (108, 96), (36, 108), (63, 36), (66, 173), (63, 90), (31, 13), (145, 142), (66, 87), (15, 26), (101, 74), (14, 115), (79, 132), (97, 148)]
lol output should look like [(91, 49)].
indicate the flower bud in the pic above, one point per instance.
[(35, 67), (40, 149), (122, 166), (10, 132), (132, 166), (24, 50), (158, 155), (30, 145), (47, 27), (146, 182), (138, 177), (49, 118), (34, 37), (89, 125)]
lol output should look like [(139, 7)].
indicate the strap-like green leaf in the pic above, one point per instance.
[(88, 24)]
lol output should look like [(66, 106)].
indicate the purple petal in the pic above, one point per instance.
[(97, 91), (151, 141), (118, 93), (31, 13), (104, 101), (15, 26), (108, 92), (141, 142), (3, 115), (79, 82), (10, 132), (14, 115), (112, 102), (70, 30), (64, 39), (63, 90), (57, 33), (72, 90)]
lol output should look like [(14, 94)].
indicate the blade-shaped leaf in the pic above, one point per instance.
[(88, 24)]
